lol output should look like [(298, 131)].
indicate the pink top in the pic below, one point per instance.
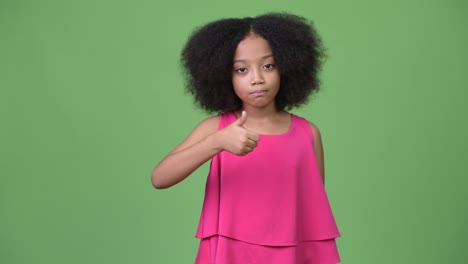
[(272, 196)]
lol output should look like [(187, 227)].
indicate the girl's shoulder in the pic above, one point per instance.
[(208, 125), (305, 122), (205, 128), (314, 128), (310, 127), (316, 136), (217, 122)]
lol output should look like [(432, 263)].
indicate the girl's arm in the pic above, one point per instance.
[(204, 142), (318, 150)]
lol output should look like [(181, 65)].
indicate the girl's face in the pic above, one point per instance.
[(255, 77)]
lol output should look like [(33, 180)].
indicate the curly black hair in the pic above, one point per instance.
[(207, 59)]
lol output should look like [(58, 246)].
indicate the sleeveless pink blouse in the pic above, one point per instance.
[(273, 196)]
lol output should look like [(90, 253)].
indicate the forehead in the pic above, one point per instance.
[(252, 47)]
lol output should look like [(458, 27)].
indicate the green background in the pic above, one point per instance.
[(92, 98)]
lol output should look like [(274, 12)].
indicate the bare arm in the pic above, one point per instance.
[(318, 150), (204, 142), (195, 150)]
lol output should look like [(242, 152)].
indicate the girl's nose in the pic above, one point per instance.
[(257, 78)]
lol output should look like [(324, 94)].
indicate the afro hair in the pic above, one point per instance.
[(207, 59)]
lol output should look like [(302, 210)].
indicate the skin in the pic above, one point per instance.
[(256, 81)]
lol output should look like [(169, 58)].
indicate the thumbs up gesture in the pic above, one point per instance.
[(237, 139)]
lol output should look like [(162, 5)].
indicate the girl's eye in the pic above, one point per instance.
[(241, 69), (269, 66)]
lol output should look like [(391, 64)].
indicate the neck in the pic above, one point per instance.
[(256, 113)]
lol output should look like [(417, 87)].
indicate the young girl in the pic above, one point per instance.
[(265, 200)]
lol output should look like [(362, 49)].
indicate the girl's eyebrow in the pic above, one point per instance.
[(262, 58)]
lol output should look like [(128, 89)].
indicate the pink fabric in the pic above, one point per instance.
[(224, 250), (274, 196)]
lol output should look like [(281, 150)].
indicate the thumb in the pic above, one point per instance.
[(242, 119)]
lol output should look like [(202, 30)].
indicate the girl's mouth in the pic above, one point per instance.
[(258, 93)]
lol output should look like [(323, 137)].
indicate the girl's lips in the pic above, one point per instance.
[(258, 93)]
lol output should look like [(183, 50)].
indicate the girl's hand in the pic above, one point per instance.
[(236, 139)]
